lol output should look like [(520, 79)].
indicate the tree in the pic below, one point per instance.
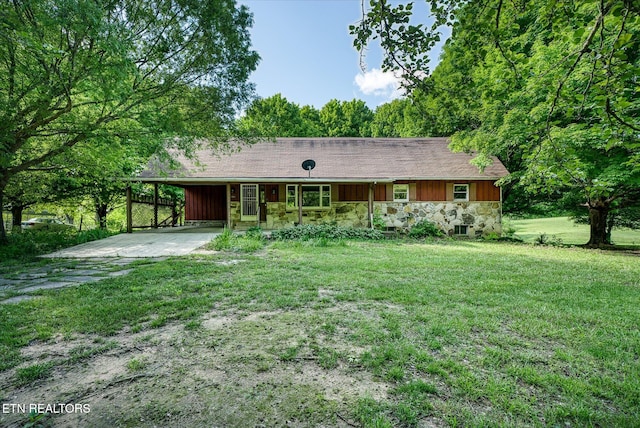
[(78, 71), (346, 118), (27, 189), (398, 118), (96, 171), (274, 117), (550, 85), (311, 118)]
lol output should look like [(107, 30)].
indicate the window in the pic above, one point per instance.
[(312, 196), (460, 192), (400, 192), (292, 196), (460, 229)]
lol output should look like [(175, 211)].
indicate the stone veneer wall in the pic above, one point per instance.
[(353, 214), (480, 217)]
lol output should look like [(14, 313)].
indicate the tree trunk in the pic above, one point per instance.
[(101, 215), (598, 213), (610, 223), (16, 214)]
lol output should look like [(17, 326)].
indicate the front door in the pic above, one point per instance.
[(249, 202)]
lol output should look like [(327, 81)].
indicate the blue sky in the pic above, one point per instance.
[(308, 55)]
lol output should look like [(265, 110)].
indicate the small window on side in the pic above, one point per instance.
[(400, 192), (460, 192), (460, 229)]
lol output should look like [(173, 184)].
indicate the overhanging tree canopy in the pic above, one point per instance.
[(73, 71), (555, 83)]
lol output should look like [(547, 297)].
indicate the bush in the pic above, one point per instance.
[(28, 244), (252, 240), (92, 235), (254, 232), (544, 239), (424, 229), (378, 221), (326, 232)]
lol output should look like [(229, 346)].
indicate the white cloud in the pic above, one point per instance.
[(379, 83)]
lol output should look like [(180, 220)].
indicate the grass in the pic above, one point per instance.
[(568, 231), (27, 245), (467, 333), (248, 242)]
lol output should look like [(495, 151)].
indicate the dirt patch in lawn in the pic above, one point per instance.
[(258, 369)]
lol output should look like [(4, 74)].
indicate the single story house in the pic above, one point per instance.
[(349, 181)]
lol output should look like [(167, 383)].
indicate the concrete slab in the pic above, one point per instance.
[(16, 299), (160, 243), (47, 286), (62, 273)]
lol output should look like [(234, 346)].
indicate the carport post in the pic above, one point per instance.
[(228, 206), (129, 211), (155, 205), (370, 204), (300, 204)]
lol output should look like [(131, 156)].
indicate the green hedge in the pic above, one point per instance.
[(327, 231)]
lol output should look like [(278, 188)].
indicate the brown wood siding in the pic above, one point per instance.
[(380, 192), (487, 191), (353, 192), (272, 192), (435, 190), (205, 202), (235, 192)]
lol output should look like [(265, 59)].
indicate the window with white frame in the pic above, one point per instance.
[(400, 192), (292, 196), (313, 196), (460, 192)]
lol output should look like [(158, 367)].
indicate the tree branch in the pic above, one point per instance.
[(584, 49), (613, 114), (499, 45)]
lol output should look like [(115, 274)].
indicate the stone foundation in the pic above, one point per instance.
[(352, 214), (481, 218)]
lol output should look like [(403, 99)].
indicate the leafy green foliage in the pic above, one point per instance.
[(91, 74), (29, 244), (346, 118), (248, 242), (325, 231), (551, 90), (275, 116), (424, 229), (378, 221), (398, 118), (544, 239)]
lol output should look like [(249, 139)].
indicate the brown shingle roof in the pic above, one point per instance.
[(337, 159)]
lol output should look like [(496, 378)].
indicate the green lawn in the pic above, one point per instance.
[(568, 231), (442, 334)]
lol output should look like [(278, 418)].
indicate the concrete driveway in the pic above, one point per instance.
[(176, 241)]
